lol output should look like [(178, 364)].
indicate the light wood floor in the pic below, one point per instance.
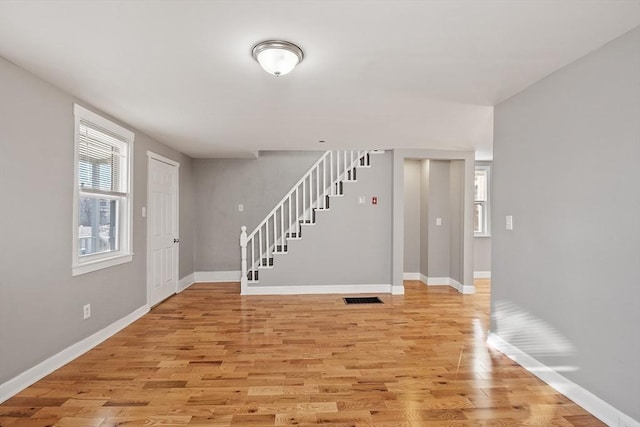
[(208, 357)]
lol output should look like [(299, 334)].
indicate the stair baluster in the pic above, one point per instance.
[(317, 186)]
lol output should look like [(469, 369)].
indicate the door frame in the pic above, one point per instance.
[(151, 156), (397, 245)]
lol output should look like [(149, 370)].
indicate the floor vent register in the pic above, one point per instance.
[(363, 300)]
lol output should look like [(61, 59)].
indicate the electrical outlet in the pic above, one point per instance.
[(87, 311)]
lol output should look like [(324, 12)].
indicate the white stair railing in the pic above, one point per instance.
[(297, 207)]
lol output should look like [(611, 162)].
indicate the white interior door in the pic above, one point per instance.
[(162, 229)]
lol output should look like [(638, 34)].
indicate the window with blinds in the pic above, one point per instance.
[(100, 159), (102, 214)]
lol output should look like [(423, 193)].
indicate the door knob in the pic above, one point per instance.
[(176, 240)]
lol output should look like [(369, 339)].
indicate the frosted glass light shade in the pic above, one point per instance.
[(277, 57), (277, 61)]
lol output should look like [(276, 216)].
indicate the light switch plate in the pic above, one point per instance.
[(509, 222)]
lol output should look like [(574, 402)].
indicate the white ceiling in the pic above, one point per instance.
[(376, 74)]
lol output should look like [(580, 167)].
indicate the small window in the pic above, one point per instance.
[(102, 195), (481, 201)]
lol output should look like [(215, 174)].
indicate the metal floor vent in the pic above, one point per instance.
[(363, 300)]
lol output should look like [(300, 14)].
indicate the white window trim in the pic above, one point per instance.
[(124, 254), (487, 203)]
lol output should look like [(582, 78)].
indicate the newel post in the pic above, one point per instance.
[(243, 254)]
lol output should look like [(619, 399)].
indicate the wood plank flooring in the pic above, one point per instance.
[(208, 357)]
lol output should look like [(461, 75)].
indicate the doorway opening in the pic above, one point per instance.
[(437, 207)]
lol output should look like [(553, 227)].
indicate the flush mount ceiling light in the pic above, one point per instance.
[(277, 57)]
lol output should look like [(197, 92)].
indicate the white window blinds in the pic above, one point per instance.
[(101, 160)]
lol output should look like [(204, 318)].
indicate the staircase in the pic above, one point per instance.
[(297, 209)]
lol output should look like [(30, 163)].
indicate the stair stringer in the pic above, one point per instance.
[(347, 250)]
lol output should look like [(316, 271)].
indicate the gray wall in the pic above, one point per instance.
[(482, 254), (186, 209), (456, 188), (40, 302), (349, 244), (439, 207), (412, 216), (566, 166), (424, 217), (222, 184)]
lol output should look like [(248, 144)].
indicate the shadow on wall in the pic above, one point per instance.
[(532, 335)]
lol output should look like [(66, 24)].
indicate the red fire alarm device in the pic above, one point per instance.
[(374, 200)]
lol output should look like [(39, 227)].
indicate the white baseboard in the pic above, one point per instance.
[(590, 402), (482, 274), (185, 282), (44, 368), (397, 290), (437, 281), (463, 289), (448, 281), (410, 276), (627, 421), (217, 276), (323, 289)]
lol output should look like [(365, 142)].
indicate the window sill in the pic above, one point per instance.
[(482, 235), (88, 267)]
